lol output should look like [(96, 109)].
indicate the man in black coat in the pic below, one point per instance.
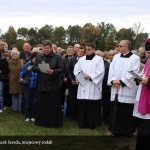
[(73, 85), (49, 111)]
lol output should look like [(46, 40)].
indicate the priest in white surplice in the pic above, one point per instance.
[(121, 121), (89, 95)]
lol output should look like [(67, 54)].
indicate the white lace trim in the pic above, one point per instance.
[(137, 114)]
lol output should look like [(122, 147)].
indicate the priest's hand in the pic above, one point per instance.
[(87, 77), (116, 83), (50, 71), (145, 81)]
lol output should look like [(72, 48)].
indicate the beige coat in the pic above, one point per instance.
[(14, 73)]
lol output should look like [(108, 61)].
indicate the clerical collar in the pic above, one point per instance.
[(90, 57), (126, 55)]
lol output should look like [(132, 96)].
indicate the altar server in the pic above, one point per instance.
[(89, 95), (124, 85)]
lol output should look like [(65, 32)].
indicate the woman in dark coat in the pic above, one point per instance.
[(3, 73), (49, 111)]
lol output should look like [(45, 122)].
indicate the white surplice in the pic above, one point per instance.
[(118, 70), (95, 69), (135, 111)]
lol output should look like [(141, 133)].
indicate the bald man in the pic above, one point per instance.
[(76, 48), (141, 53), (26, 52), (99, 53), (25, 56), (121, 121), (111, 54)]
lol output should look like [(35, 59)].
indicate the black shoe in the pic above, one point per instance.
[(92, 127), (81, 127)]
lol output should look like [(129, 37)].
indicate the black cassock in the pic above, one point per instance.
[(49, 111)]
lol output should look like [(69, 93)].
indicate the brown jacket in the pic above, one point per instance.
[(14, 73)]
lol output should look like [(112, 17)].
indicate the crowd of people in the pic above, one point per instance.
[(108, 92)]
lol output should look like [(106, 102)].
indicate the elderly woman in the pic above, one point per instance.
[(15, 65)]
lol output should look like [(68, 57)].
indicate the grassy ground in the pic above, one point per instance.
[(14, 130)]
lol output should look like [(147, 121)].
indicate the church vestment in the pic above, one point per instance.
[(90, 94), (49, 111), (142, 111), (125, 123)]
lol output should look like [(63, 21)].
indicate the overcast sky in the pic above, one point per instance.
[(37, 13)]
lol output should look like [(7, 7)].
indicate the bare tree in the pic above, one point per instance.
[(137, 28)]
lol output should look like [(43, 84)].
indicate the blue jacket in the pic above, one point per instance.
[(33, 76)]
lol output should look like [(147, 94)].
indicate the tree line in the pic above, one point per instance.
[(104, 35)]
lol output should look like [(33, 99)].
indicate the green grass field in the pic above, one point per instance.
[(14, 130)]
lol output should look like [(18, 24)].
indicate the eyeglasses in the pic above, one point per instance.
[(121, 46)]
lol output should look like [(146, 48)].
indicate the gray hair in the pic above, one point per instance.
[(15, 51)]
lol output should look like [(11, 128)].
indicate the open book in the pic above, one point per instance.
[(136, 75), (81, 78)]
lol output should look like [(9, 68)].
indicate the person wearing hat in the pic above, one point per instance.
[(142, 104)]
